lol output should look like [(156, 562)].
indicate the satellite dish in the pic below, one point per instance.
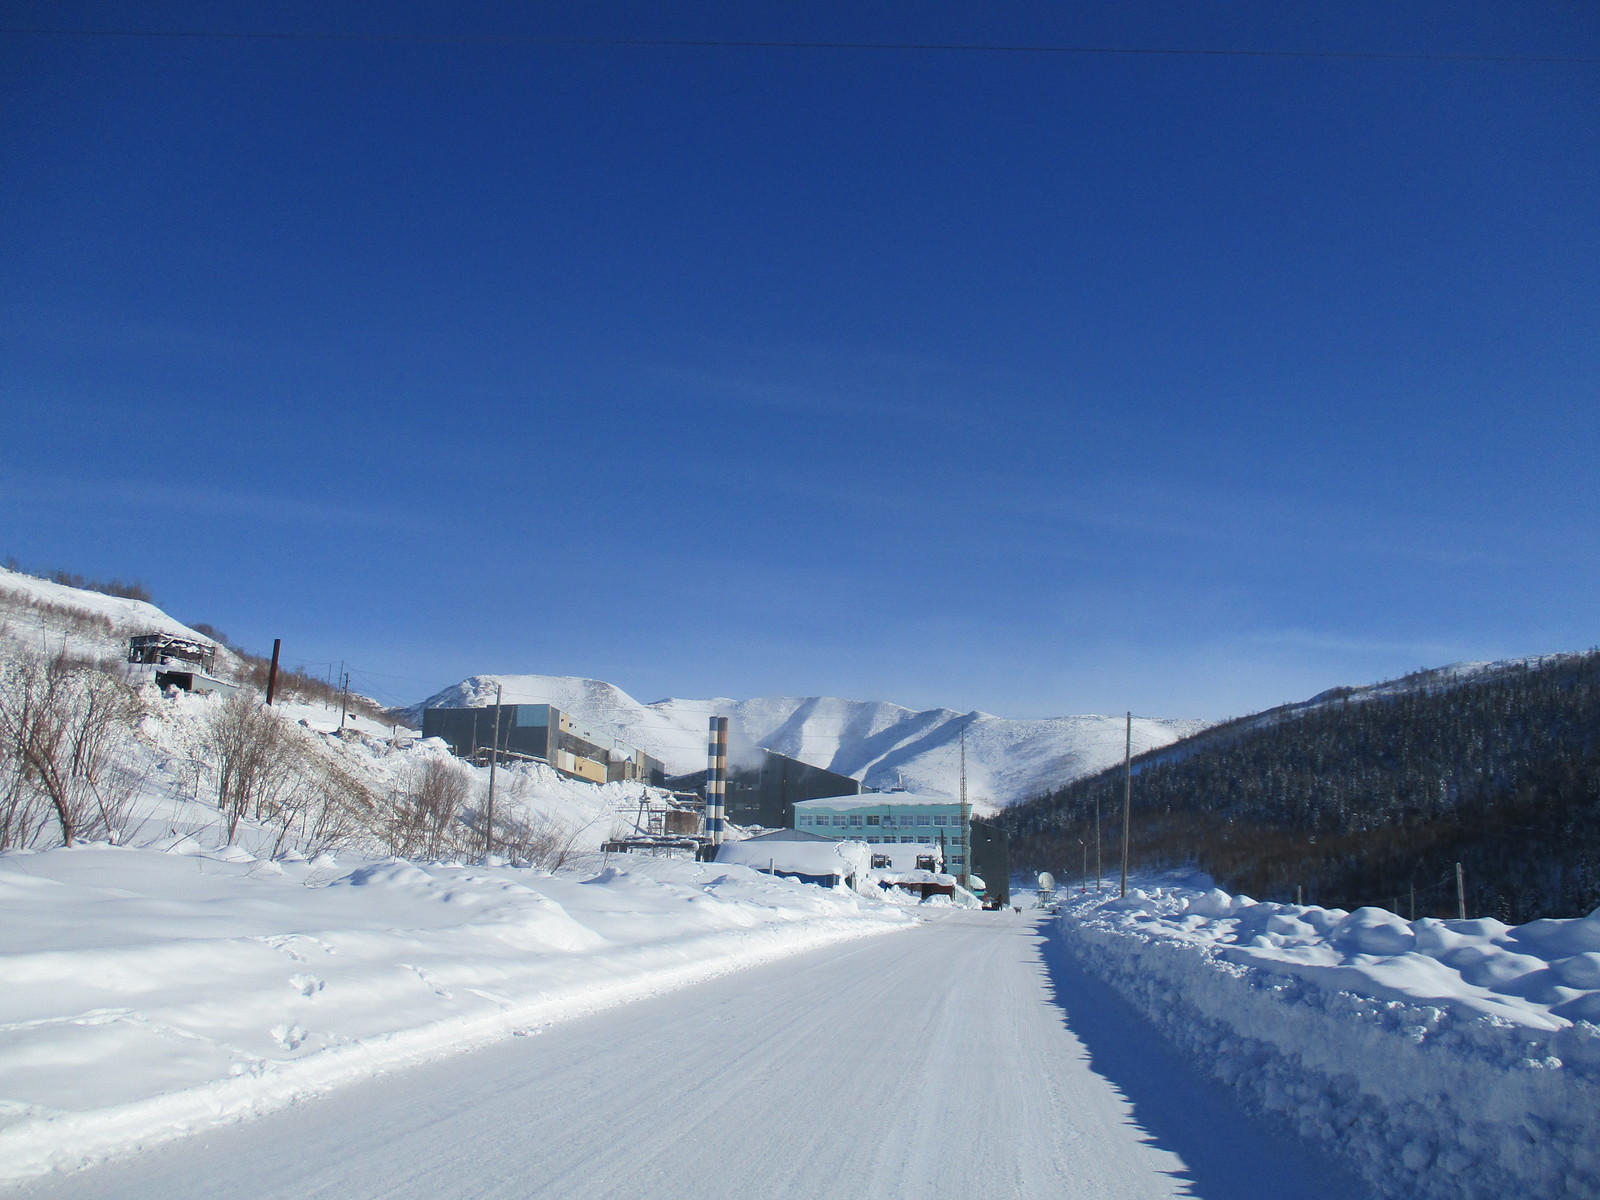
[(1047, 881)]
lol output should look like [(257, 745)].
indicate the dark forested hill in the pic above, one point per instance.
[(1361, 796)]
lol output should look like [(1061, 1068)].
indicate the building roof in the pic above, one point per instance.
[(881, 800), (788, 835), (800, 856)]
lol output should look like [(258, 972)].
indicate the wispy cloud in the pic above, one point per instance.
[(138, 497), (818, 381)]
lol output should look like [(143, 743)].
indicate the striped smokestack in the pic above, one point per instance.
[(716, 777)]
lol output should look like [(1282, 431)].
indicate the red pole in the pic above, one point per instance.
[(272, 673)]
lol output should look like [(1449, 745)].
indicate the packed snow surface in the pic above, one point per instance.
[(152, 993), (950, 1060), (879, 743), (1444, 1058)]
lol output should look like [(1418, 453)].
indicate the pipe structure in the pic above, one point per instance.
[(716, 778)]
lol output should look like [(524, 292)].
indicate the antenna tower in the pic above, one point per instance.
[(963, 763)]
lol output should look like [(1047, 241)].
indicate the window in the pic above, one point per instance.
[(872, 839), (880, 861), (874, 820), (940, 820), (855, 819), (841, 820), (908, 837), (958, 861)]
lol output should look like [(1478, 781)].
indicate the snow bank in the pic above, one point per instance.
[(1445, 1058), (150, 994)]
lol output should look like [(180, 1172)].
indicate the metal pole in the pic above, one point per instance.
[(1127, 798), (344, 697), (1461, 894), (494, 758), (272, 671)]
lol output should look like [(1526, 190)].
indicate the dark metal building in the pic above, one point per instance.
[(991, 859), (543, 732), (764, 793)]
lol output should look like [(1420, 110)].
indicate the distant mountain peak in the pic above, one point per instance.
[(881, 743)]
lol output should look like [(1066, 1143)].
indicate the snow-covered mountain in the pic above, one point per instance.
[(879, 743)]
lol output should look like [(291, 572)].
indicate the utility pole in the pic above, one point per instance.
[(344, 696), (1084, 885), (1461, 894), (272, 671), (1127, 798), (494, 757)]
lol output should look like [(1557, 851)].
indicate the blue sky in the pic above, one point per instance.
[(1038, 384)]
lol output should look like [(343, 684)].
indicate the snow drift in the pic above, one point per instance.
[(149, 994), (1444, 1058)]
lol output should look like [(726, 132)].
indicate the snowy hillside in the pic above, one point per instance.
[(39, 614), (879, 743), (361, 785)]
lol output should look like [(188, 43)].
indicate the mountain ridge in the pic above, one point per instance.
[(876, 741)]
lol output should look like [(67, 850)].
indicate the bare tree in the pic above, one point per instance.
[(65, 724)]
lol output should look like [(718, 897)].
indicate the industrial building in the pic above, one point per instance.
[(542, 733), (896, 817), (991, 861), (763, 791)]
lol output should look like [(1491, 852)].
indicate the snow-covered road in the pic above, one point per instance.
[(962, 1058)]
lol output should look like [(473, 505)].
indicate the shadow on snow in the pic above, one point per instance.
[(1228, 1153)]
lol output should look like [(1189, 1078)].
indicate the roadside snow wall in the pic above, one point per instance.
[(1427, 1053)]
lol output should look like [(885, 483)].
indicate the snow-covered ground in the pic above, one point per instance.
[(1443, 1058), (945, 1061), (149, 994)]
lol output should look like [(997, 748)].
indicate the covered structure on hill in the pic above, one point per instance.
[(176, 662)]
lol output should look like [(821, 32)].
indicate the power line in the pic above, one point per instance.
[(496, 39)]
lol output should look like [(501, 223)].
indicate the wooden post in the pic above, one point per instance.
[(272, 671), (1461, 894)]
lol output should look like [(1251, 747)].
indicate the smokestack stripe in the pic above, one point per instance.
[(716, 777)]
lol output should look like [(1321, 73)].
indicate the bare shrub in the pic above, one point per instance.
[(65, 726), (271, 771), (61, 617), (252, 752), (426, 819)]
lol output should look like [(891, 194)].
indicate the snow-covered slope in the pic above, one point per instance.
[(877, 742), (40, 613)]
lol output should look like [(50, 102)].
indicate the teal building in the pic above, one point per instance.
[(895, 817)]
